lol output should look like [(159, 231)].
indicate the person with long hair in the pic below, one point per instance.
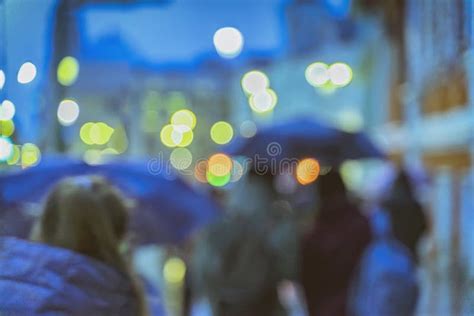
[(75, 263)]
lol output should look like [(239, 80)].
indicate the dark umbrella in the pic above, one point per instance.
[(304, 138), (166, 208)]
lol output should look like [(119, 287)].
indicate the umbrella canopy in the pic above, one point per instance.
[(304, 138), (166, 208)]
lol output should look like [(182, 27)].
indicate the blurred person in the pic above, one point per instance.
[(386, 283), (75, 266), (241, 260), (331, 251)]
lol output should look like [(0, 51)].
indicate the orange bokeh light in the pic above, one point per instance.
[(200, 171), (307, 171), (219, 165)]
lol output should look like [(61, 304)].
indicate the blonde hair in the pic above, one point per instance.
[(89, 216)]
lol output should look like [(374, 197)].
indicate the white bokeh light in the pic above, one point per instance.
[(228, 42), (2, 79), (6, 148), (248, 129), (317, 74), (68, 112), (340, 74), (263, 101), (7, 110), (254, 82), (27, 73)]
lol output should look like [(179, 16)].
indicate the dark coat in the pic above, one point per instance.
[(330, 254), (37, 279)]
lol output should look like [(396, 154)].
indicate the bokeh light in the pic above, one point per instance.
[(166, 136), (30, 155), (85, 132), (174, 270), (218, 181), (340, 74), (68, 70), (350, 120), (181, 158), (182, 135), (7, 110), (6, 148), (263, 101), (352, 172), (68, 112), (2, 79), (317, 74), (100, 133), (92, 156), (184, 117), (7, 128), (200, 170), (254, 82), (119, 140), (237, 171), (228, 42), (307, 171), (15, 156), (248, 129), (222, 132), (219, 164), (96, 133), (26, 73)]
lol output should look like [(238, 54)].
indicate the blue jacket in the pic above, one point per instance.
[(37, 279), (386, 282)]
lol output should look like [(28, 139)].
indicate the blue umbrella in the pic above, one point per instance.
[(304, 138), (166, 208)]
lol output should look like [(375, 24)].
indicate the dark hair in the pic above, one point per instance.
[(408, 219), (87, 215), (331, 185)]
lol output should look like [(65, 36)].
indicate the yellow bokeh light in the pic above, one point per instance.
[(96, 133), (100, 133), (219, 165), (182, 135), (166, 136), (174, 270), (307, 171), (254, 82), (222, 132), (7, 128), (30, 155), (184, 117), (85, 133), (15, 156), (181, 158), (264, 101), (68, 70), (317, 74), (119, 140)]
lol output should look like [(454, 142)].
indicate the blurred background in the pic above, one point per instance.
[(175, 79)]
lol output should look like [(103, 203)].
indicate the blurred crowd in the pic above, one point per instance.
[(327, 253)]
